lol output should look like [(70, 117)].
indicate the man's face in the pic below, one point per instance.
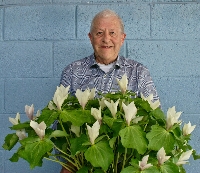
[(106, 38)]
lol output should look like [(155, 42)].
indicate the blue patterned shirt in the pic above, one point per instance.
[(85, 73)]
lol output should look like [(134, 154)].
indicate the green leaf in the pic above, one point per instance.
[(100, 155), (84, 169), (112, 142), (34, 152), (108, 120), (169, 168), (99, 171), (151, 169), (29, 140), (10, 141), (77, 144), (58, 133), (48, 116), (14, 158), (130, 169), (158, 137), (118, 124), (158, 114), (20, 126), (134, 137), (77, 117)]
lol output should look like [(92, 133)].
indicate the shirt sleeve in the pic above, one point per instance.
[(65, 79), (146, 85)]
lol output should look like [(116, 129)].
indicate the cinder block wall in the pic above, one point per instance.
[(38, 38)]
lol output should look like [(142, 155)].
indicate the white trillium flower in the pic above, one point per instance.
[(112, 107), (29, 110), (153, 105), (83, 97), (183, 159), (92, 94), (39, 128), (93, 131), (96, 114), (15, 120), (38, 113), (137, 119), (143, 164), (130, 111), (172, 117), (21, 134), (161, 156), (51, 106), (102, 103), (60, 95), (76, 130), (187, 129), (123, 83)]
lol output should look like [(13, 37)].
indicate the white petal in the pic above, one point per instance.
[(143, 164), (187, 129), (123, 83), (39, 128), (161, 156), (29, 111), (184, 157), (112, 107), (93, 131), (92, 94), (83, 97), (96, 113), (21, 134), (15, 120), (130, 112)]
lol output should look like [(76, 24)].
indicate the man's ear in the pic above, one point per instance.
[(123, 37), (90, 36)]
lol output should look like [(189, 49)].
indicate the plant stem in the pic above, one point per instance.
[(60, 121), (116, 162), (69, 168), (66, 155), (124, 161)]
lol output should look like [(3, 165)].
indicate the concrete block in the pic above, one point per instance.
[(181, 92), (21, 92), (14, 2), (1, 23), (42, 22), (136, 18), (23, 166), (167, 58), (175, 21), (1, 95), (1, 161), (87, 1), (69, 51), (26, 59)]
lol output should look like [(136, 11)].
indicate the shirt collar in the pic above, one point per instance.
[(94, 63)]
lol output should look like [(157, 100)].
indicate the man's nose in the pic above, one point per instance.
[(106, 37)]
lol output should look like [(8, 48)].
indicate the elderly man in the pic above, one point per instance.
[(101, 69)]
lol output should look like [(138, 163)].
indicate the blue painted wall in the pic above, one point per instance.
[(38, 38)]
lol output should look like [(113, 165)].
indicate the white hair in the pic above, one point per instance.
[(107, 13)]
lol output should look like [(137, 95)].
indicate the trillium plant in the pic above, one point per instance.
[(110, 133)]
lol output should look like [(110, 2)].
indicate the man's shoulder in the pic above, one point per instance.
[(86, 61), (130, 62)]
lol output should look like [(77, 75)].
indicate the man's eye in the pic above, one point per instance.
[(112, 34), (99, 33)]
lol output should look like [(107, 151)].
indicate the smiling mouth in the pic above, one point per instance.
[(106, 47)]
